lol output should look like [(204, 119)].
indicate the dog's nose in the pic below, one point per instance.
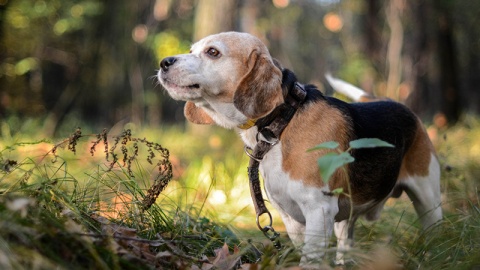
[(167, 62)]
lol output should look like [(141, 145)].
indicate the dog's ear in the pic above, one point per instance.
[(260, 90), (196, 115)]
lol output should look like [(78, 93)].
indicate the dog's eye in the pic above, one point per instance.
[(213, 52)]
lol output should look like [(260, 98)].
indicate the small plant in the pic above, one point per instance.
[(53, 201), (332, 161), (128, 155)]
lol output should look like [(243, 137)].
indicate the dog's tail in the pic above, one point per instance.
[(349, 90)]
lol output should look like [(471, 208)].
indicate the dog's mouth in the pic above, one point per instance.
[(181, 92), (169, 83), (192, 86)]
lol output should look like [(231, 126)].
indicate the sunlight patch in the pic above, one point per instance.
[(217, 197)]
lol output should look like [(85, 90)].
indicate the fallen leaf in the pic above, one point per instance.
[(223, 259)]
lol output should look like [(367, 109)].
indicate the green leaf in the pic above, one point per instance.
[(369, 143), (325, 145), (337, 191), (330, 162)]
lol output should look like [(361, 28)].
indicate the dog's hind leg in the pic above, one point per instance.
[(424, 191)]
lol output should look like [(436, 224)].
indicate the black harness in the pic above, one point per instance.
[(270, 129)]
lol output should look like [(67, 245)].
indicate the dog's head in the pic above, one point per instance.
[(227, 78)]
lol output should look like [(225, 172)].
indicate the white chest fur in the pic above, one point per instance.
[(278, 184), (289, 195), (308, 214)]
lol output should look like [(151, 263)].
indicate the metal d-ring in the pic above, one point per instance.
[(248, 151), (270, 223), (269, 228)]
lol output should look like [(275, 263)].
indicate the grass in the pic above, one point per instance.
[(82, 212)]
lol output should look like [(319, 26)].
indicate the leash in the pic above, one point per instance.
[(268, 136), (256, 191)]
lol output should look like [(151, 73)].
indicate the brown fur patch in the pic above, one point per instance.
[(417, 159), (196, 115), (316, 124)]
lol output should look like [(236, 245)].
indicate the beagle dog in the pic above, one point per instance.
[(230, 79)]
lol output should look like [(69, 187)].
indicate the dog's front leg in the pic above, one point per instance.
[(344, 233), (295, 229), (318, 229)]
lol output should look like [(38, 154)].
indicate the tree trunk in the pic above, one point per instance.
[(214, 16), (250, 12), (394, 12), (373, 36), (450, 100), (419, 53)]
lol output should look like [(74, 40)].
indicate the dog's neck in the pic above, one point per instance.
[(271, 126)]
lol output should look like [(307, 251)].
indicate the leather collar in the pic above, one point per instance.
[(272, 125), (294, 96), (250, 123)]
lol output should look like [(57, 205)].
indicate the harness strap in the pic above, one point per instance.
[(267, 137)]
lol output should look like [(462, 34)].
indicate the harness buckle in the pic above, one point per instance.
[(266, 135)]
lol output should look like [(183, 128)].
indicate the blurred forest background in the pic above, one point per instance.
[(68, 62)]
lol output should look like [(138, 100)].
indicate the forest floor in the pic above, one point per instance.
[(66, 204)]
